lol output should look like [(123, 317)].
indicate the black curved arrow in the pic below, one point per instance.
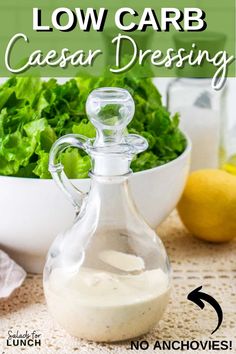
[(197, 296)]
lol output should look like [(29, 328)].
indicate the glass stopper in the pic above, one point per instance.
[(110, 110)]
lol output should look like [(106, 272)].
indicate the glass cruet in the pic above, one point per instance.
[(107, 278)]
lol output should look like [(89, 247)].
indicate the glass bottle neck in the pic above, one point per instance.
[(110, 165), (112, 195)]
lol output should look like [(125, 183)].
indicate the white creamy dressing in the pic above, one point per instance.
[(122, 261), (105, 306)]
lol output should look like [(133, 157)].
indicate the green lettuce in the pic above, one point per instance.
[(35, 113)]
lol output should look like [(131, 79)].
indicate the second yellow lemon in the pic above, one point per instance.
[(208, 205)]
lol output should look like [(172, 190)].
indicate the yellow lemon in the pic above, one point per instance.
[(208, 205)]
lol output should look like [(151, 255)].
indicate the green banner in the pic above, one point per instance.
[(151, 38)]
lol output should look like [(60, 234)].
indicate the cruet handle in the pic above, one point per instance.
[(56, 169)]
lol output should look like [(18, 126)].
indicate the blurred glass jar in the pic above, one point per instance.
[(202, 109), (228, 135), (202, 117)]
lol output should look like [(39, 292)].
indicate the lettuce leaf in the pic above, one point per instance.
[(75, 165), (35, 113)]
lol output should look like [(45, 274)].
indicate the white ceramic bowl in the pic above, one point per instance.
[(33, 211)]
